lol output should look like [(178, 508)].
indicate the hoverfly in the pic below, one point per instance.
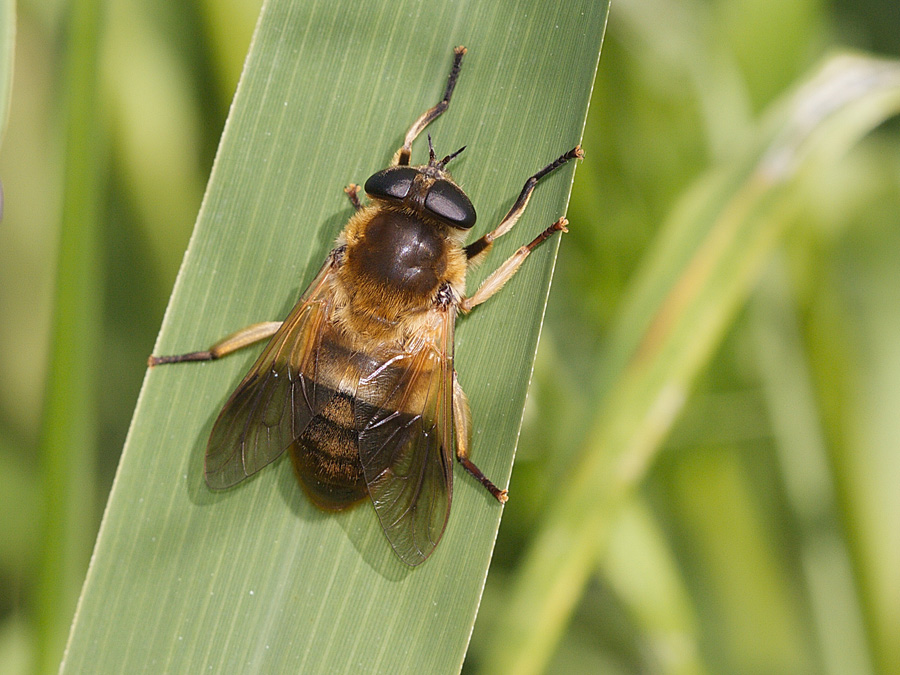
[(357, 383)]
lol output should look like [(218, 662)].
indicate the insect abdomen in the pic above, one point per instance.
[(326, 456)]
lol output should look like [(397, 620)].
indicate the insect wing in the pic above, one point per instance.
[(404, 411), (276, 400)]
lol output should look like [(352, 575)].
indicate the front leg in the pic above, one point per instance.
[(478, 249), (401, 157), (352, 192)]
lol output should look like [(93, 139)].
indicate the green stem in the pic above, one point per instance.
[(69, 424)]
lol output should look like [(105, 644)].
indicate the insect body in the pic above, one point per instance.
[(357, 383)]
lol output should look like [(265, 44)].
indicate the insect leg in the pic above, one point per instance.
[(476, 251), (505, 272), (352, 192), (461, 419), (401, 157), (243, 338)]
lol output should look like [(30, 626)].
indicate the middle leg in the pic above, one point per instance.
[(504, 273)]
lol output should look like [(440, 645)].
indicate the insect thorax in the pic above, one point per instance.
[(402, 253)]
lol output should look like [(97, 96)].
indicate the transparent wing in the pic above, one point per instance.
[(276, 400), (404, 413)]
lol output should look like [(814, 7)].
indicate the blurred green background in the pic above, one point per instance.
[(765, 537)]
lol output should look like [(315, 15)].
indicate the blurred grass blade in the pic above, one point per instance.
[(826, 570), (227, 22), (7, 53), (68, 432), (703, 264), (255, 579), (642, 571)]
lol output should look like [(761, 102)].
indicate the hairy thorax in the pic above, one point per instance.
[(392, 269)]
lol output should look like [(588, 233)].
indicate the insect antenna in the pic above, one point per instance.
[(443, 162), (446, 159)]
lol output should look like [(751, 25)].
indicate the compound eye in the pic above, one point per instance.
[(392, 183), (450, 204)]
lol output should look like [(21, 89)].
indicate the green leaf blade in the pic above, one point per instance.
[(255, 578)]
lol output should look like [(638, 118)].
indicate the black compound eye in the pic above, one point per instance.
[(450, 204), (392, 183)]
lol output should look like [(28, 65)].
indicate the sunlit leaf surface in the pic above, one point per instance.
[(255, 579)]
